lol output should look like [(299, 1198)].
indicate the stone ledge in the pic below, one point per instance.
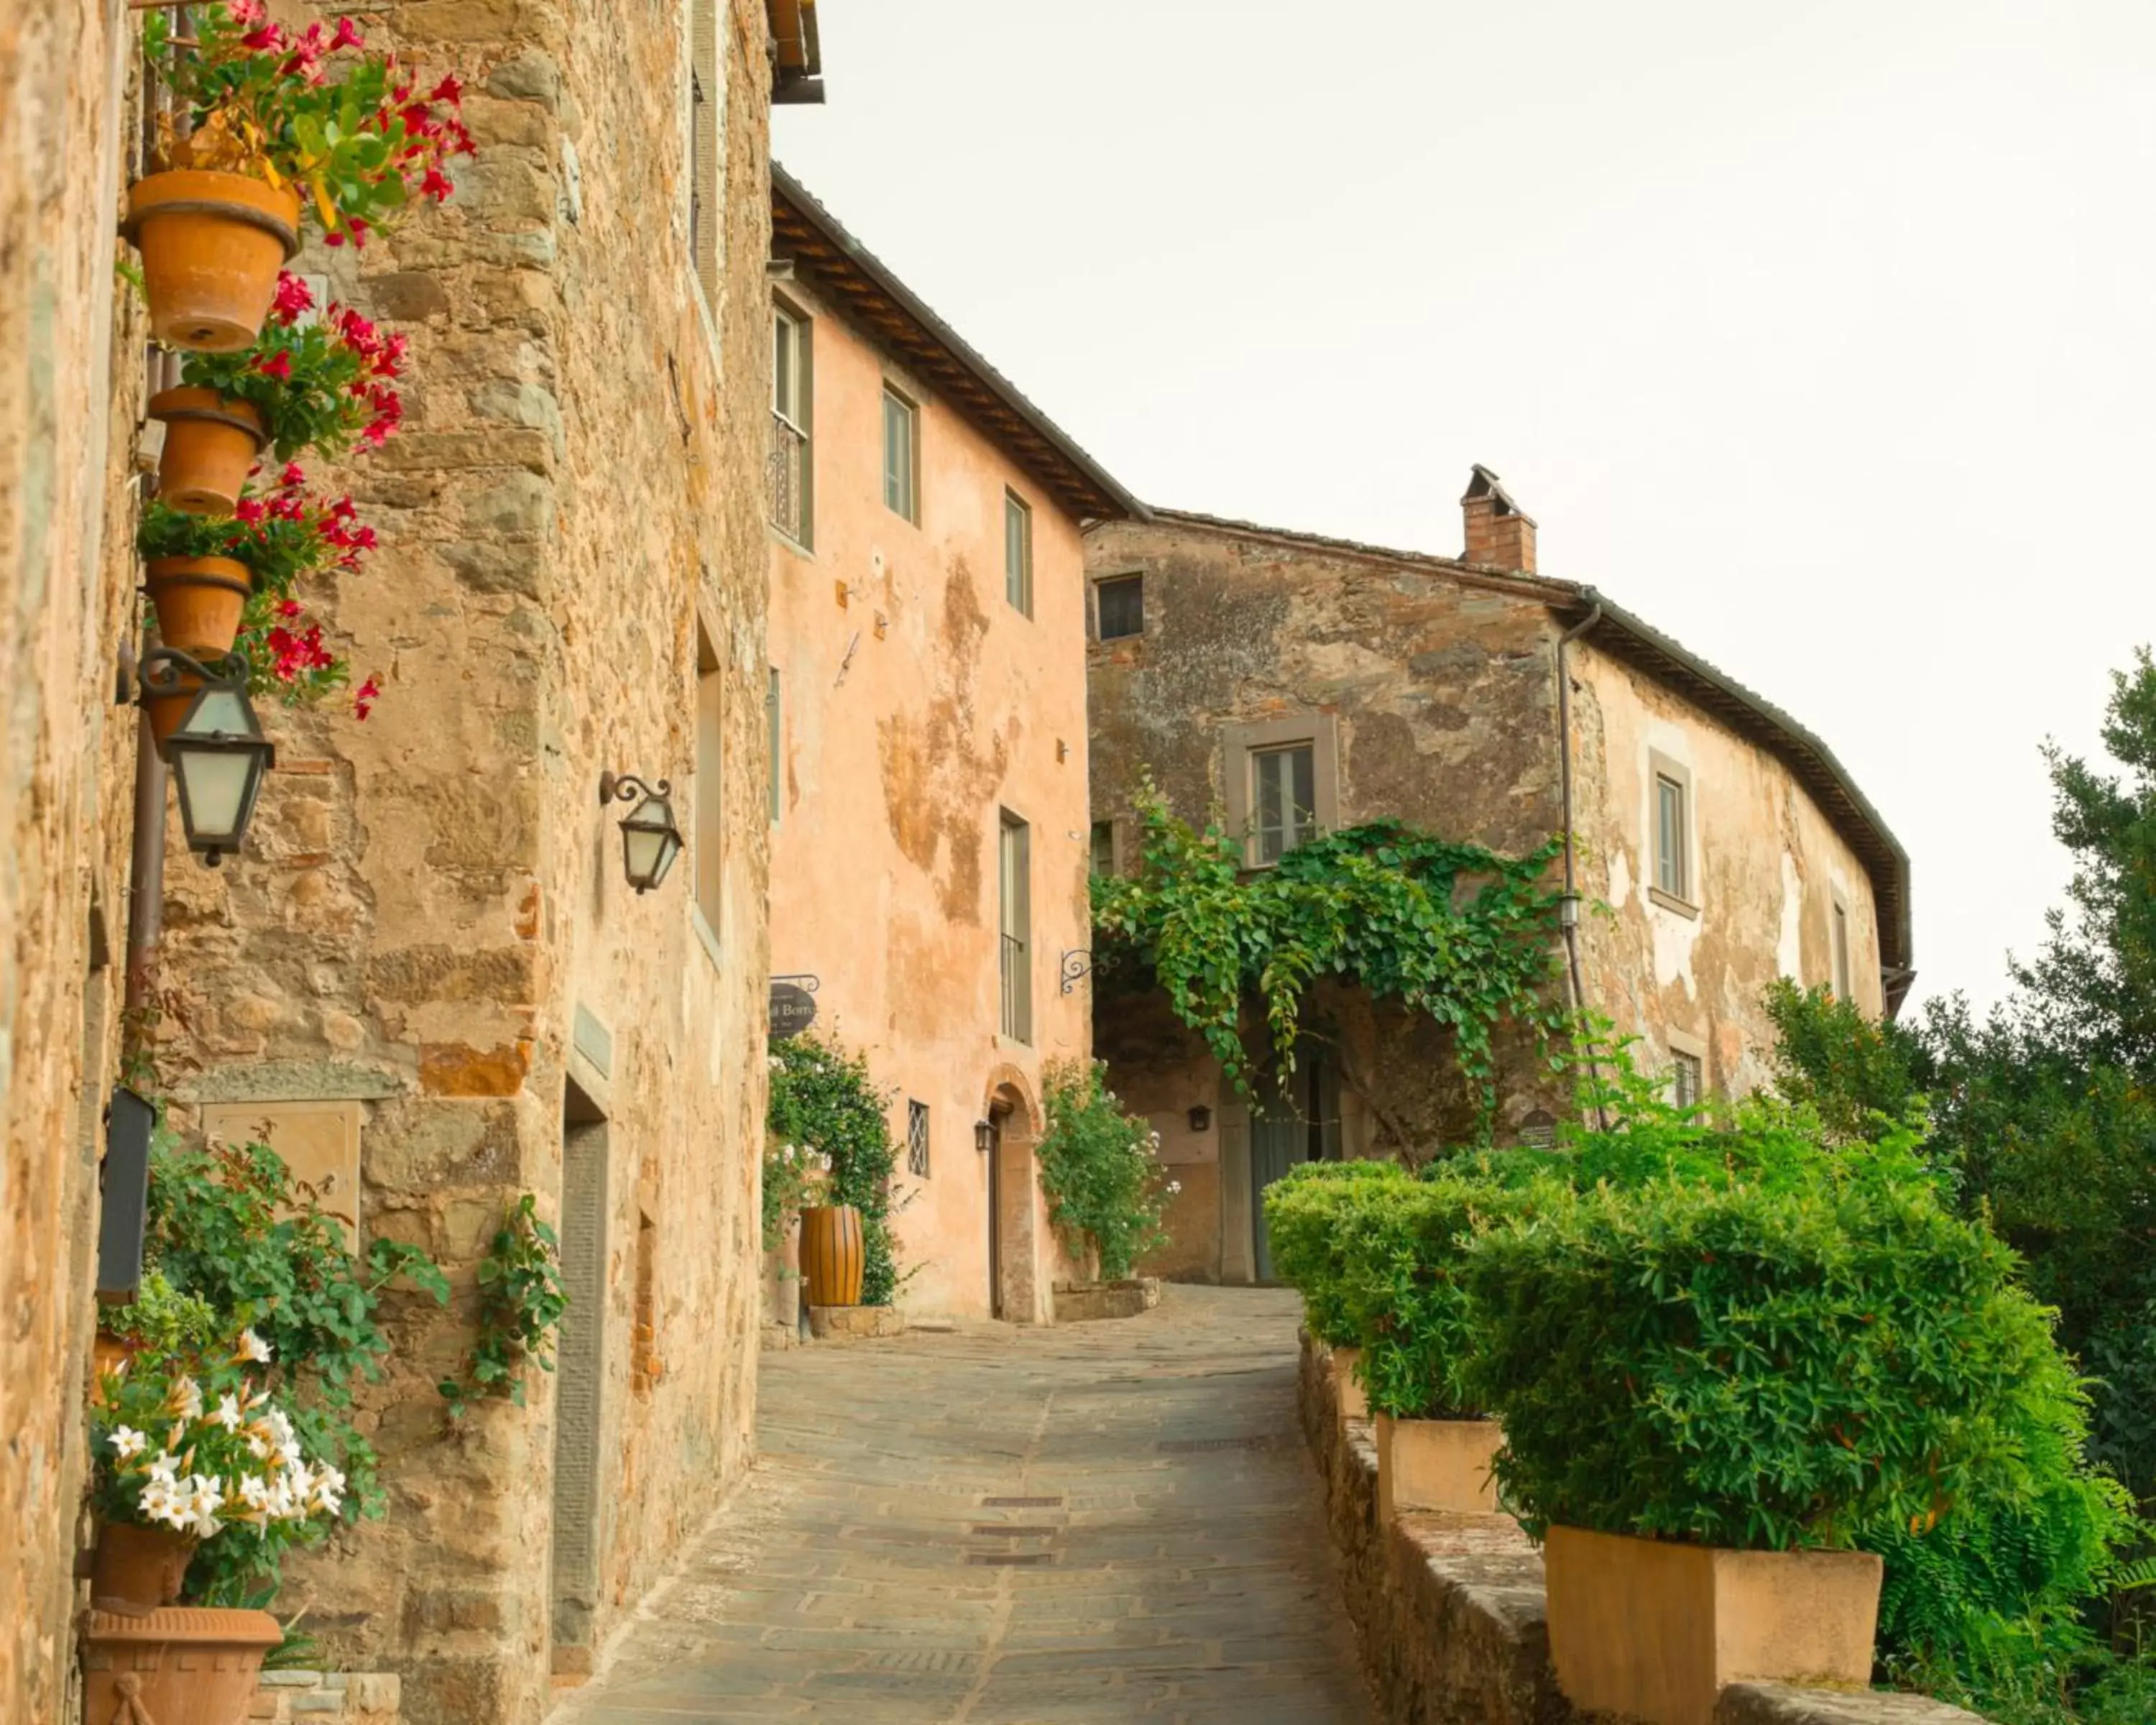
[(1078, 1303), (1449, 1610), (302, 1697), (855, 1323)]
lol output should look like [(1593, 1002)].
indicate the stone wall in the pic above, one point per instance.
[(328, 1698), (70, 378), (1449, 1609), (430, 942)]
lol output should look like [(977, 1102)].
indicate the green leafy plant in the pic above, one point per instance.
[(1309, 1225), (823, 1097), (520, 1304), (231, 1231), (1454, 931), (346, 129), (1098, 1167), (319, 383), (794, 1176)]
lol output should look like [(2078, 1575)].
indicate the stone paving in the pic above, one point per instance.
[(1103, 1522)]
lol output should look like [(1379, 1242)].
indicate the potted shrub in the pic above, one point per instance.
[(208, 578), (793, 1176), (307, 383), (1306, 1221), (1099, 1169), (822, 1095), (1716, 1391), (281, 128)]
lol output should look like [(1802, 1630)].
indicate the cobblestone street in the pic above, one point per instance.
[(1104, 1522)]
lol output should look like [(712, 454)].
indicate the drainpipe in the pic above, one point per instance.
[(1569, 916), (146, 888)]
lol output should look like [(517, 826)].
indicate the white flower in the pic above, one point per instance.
[(329, 1488), (205, 1496), (165, 1470), (127, 1442), (254, 1490), (776, 1063), (258, 1446), (1174, 1187), (226, 1414), (186, 1399), (161, 1502), (252, 1347)]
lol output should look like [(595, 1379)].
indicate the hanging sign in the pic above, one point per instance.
[(793, 1006)]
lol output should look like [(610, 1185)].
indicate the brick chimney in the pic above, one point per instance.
[(1497, 533)]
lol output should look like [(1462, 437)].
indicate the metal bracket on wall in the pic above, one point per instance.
[(1077, 963)]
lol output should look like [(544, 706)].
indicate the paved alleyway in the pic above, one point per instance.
[(1108, 1522)]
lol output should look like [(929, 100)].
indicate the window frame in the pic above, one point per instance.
[(1665, 770), (1241, 744), (1134, 578), (1841, 967), (1014, 1019), (1017, 582), (894, 396), (1111, 830), (798, 416), (918, 1138), (1687, 1053)]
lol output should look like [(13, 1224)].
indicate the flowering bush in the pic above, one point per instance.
[(321, 384), (353, 135), (1098, 1168), (822, 1094), (186, 1439), (794, 1177)]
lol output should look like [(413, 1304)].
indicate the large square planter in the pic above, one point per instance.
[(1436, 1465), (1347, 1387), (1651, 1629), (179, 1665)]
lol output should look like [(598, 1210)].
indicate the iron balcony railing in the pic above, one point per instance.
[(789, 478)]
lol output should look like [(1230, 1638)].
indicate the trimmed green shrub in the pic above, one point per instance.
[(1758, 1368), (1305, 1224), (1098, 1167)]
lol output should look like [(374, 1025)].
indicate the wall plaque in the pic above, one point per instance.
[(793, 1006)]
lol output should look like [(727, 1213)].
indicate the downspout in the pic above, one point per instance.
[(1568, 915)]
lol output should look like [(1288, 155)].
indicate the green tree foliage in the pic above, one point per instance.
[(1097, 1167), (1454, 931), (822, 1097)]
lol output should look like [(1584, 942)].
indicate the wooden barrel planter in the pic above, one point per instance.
[(833, 1254)]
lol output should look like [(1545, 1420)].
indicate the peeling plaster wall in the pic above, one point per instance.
[(432, 923), (70, 343), (913, 711)]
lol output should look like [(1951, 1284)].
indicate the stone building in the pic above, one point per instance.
[(426, 980), (1718, 843), (928, 793)]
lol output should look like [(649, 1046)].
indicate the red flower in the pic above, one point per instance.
[(436, 185), (288, 607), (347, 35), (364, 697), (279, 366), (251, 510), (447, 90), (342, 509), (333, 239), (293, 297), (377, 432), (270, 39), (246, 11), (293, 474), (359, 226)]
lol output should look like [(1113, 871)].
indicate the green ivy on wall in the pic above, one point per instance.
[(1454, 931), (823, 1097)]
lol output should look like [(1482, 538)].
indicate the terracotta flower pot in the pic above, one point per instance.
[(210, 445), (1436, 1465), (108, 1353), (1651, 1629), (212, 245), (833, 1254), (199, 602), (182, 1666), (138, 1569), (167, 710)]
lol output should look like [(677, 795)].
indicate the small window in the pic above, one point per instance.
[(791, 478), (1670, 835), (1838, 921), (1685, 1079), (1015, 922), (1120, 605), (901, 455), (710, 802), (1283, 799), (1018, 553), (772, 718), (916, 1139), (1104, 847)]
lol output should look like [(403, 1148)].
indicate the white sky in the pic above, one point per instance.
[(1820, 335)]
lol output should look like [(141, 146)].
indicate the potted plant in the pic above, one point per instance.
[(206, 578), (793, 1177), (278, 127), (319, 383), (1717, 1392), (1100, 1169), (822, 1095), (1306, 1222)]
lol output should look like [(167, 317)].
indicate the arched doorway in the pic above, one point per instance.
[(1012, 1218)]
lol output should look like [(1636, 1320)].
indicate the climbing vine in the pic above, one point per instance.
[(520, 1304), (1454, 931)]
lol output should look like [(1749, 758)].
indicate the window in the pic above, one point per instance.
[(709, 800), (707, 132), (1120, 606), (1282, 783), (778, 738), (791, 470), (1104, 847), (1685, 1079), (1018, 553), (901, 457), (1839, 929), (1671, 884), (1015, 922), (916, 1139), (1283, 799)]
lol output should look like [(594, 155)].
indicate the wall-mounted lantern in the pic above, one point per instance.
[(650, 838), (217, 753), (1200, 1118), (984, 1136)]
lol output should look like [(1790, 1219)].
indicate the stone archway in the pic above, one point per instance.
[(1013, 1198)]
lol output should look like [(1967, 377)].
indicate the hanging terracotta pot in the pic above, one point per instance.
[(168, 707), (212, 245), (199, 602), (138, 1569), (833, 1254), (211, 444), (109, 1353), (184, 1665)]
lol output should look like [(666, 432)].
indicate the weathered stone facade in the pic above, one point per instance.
[(70, 376), (1427, 688), (921, 713), (428, 961)]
